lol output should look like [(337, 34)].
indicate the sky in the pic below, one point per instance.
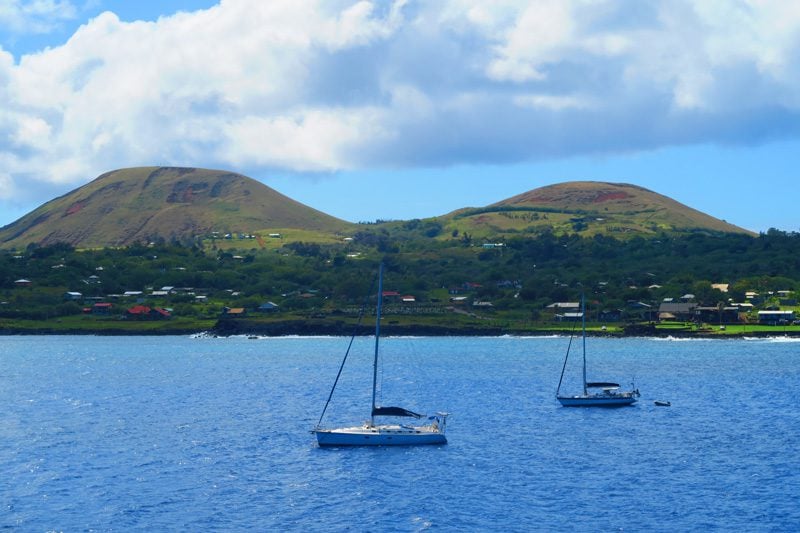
[(409, 109)]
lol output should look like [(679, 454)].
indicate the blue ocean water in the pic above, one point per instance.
[(167, 433)]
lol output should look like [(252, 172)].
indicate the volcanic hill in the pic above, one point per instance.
[(588, 208), (145, 204)]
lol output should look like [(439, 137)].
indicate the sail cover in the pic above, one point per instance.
[(394, 411), (601, 384)]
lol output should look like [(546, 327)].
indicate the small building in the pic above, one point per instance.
[(23, 283), (102, 308), (569, 317), (72, 296), (682, 312), (774, 318), (610, 315), (268, 307), (233, 312), (714, 315), (143, 312), (563, 305)]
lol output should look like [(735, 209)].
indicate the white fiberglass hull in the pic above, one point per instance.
[(620, 400), (389, 435)]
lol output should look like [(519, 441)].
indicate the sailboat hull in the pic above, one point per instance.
[(597, 401), (380, 436)]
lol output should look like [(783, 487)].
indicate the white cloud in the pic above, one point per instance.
[(34, 16), (315, 85), (555, 103), (7, 187)]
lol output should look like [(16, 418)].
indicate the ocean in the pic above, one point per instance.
[(213, 434)]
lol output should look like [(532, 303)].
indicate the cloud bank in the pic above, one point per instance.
[(323, 86)]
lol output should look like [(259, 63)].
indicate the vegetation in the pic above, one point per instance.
[(459, 283)]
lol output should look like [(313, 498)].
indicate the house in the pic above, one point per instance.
[(682, 312), (101, 308), (563, 305), (640, 311), (267, 307), (143, 312), (774, 318), (233, 312), (72, 296), (713, 315), (408, 299), (569, 317), (23, 283), (610, 315)]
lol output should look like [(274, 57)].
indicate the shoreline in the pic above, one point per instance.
[(303, 329)]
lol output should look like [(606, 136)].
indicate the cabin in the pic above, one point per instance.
[(775, 318), (143, 312), (101, 308), (715, 315), (563, 306), (611, 315), (681, 312), (569, 317), (268, 307)]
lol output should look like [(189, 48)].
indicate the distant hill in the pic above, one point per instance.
[(588, 208), (145, 204)]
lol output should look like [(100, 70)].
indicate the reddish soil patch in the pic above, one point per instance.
[(608, 196), (74, 208)]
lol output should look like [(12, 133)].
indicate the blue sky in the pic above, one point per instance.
[(409, 109)]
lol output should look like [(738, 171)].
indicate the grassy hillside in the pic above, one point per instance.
[(587, 208), (164, 203)]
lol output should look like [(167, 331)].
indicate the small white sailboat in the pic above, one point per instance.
[(597, 393), (393, 434)]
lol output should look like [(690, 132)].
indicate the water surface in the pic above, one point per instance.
[(135, 433)]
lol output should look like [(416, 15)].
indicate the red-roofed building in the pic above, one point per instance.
[(143, 312), (101, 308)]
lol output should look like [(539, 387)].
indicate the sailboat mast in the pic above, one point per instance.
[(377, 340), (583, 320)]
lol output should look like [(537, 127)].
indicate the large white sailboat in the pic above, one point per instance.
[(596, 393), (370, 433)]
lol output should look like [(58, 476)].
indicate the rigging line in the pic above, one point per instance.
[(346, 353), (564, 367)]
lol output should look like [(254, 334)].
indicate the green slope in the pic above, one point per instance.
[(587, 208), (150, 203)]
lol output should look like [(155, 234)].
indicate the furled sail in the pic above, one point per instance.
[(394, 411)]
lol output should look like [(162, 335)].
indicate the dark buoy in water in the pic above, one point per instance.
[(662, 403)]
